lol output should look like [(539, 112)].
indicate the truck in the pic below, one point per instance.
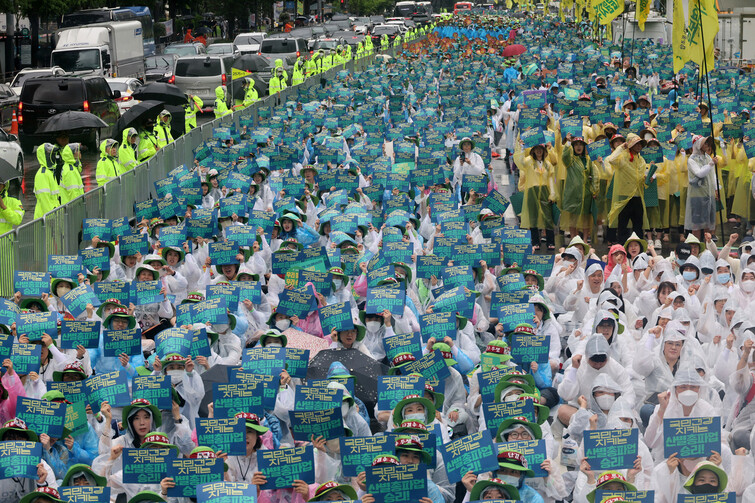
[(109, 49)]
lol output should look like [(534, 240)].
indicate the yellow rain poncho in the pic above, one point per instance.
[(537, 182), (628, 180)]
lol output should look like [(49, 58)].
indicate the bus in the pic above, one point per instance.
[(91, 16), (462, 7)]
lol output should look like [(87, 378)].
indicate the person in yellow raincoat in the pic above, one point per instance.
[(678, 184), (603, 204), (127, 150), (740, 171), (108, 167), (221, 107), (46, 188), (580, 188), (193, 106), (666, 171), (11, 209), (163, 129), (628, 197), (71, 185), (537, 182)]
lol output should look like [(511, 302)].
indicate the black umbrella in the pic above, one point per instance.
[(161, 91), (364, 369), (8, 171), (137, 114), (216, 374), (70, 120)]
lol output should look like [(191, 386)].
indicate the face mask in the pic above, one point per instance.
[(688, 398), (282, 324), (345, 409), (417, 416), (373, 326), (723, 278), (703, 489), (748, 285), (605, 401), (338, 283), (511, 398), (176, 376), (221, 329), (274, 345), (689, 275), (63, 289), (509, 479)]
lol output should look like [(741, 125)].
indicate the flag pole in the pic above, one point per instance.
[(710, 116), (623, 33)]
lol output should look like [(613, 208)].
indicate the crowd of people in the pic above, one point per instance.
[(374, 195)]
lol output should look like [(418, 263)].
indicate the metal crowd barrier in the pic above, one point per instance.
[(26, 247)]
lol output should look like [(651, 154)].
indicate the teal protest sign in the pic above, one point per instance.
[(96, 227), (511, 315), (76, 300), (542, 264), (324, 383), (35, 325), (430, 265), (119, 290), (213, 311), (501, 298), (532, 137), (322, 281), (174, 340), (9, 312), (376, 274), (475, 453), (117, 342), (691, 437), (31, 283), (496, 202), (388, 297), (189, 473), (173, 236), (438, 325), (230, 399), (398, 251), (403, 343), (241, 235), (84, 494), (514, 253), (455, 300), (224, 253), (265, 361), (431, 365), (478, 183), (611, 449), (64, 266), (19, 459), (228, 292), (155, 388), (496, 413), (317, 398), (76, 417), (96, 258), (120, 228), (222, 434), (200, 344), (320, 423), (147, 292), (336, 316), (26, 357), (268, 383), (226, 492), (282, 466), (513, 235), (357, 453), (636, 496), (393, 483), (511, 282), (42, 416), (527, 348), (296, 302), (458, 275), (249, 290), (487, 381), (534, 452), (74, 391), (110, 386), (146, 209), (730, 497)]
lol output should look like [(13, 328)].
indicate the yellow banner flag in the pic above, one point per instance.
[(607, 10), (681, 53), (237, 74), (641, 13), (702, 27)]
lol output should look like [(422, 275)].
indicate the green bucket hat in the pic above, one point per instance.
[(328, 487), (202, 452), (542, 411), (80, 469), (612, 476), (142, 403), (193, 298), (480, 487), (412, 444), (145, 267), (252, 421), (445, 349), (398, 410), (57, 281), (437, 398), (406, 268), (146, 496), (723, 479), (507, 424), (504, 385), (466, 139), (120, 312), (27, 303), (157, 439), (18, 425), (42, 492), (399, 361), (75, 367), (540, 280), (273, 332), (360, 331), (164, 253), (515, 461), (108, 302)]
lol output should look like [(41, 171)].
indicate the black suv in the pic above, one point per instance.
[(43, 97)]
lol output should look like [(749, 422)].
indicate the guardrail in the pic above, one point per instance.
[(58, 232)]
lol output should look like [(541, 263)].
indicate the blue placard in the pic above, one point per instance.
[(534, 452), (320, 423), (691, 437), (120, 290), (241, 235), (74, 390), (430, 265), (527, 348), (496, 202), (26, 357), (229, 399), (174, 340), (317, 398), (213, 311), (322, 281), (511, 315), (635, 496), (76, 300), (229, 292), (224, 253), (146, 292), (266, 361), (222, 434), (513, 235), (42, 416), (31, 283), (96, 227), (110, 386), (84, 333), (264, 220), (119, 227), (496, 413), (394, 483), (431, 365), (296, 302), (155, 388), (64, 266), (393, 389), (542, 264), (249, 290), (76, 419), (707, 498), (388, 297), (226, 492), (514, 253), (117, 342), (487, 381), (173, 236), (35, 325), (9, 312), (19, 459), (475, 453), (189, 473), (403, 343), (611, 449), (282, 466), (84, 494), (6, 345), (200, 344), (438, 325), (133, 244), (146, 209), (268, 383), (96, 258), (458, 275), (336, 316)]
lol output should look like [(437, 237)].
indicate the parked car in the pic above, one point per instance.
[(200, 75), (249, 43), (261, 72), (126, 86), (349, 37), (43, 97), (29, 73), (8, 103), (10, 151), (160, 68), (223, 48), (191, 49), (327, 43), (287, 49), (385, 29)]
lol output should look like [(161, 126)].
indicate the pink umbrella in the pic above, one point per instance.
[(302, 340), (514, 50)]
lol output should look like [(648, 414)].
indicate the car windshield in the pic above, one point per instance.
[(278, 46), (325, 44), (385, 29), (181, 50), (49, 92), (259, 64), (219, 49), (157, 62), (198, 67), (248, 40), (23, 77), (77, 60)]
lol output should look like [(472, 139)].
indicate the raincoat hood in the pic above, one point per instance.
[(278, 63), (707, 261), (220, 92), (105, 145), (606, 315), (596, 345), (67, 155), (44, 155), (128, 132)]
